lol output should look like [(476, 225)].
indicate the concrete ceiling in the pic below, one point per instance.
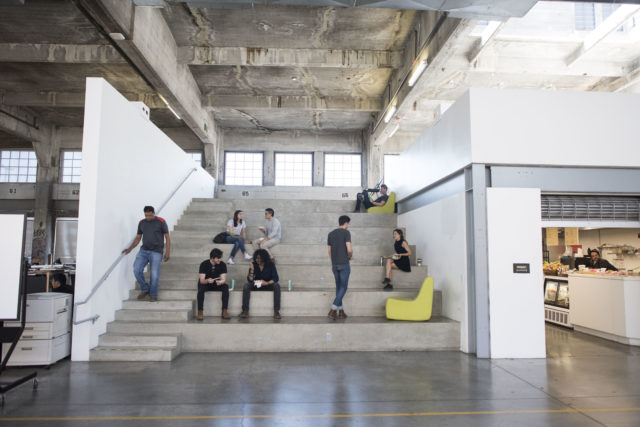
[(300, 65)]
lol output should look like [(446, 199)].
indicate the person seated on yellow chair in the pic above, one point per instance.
[(399, 260), (365, 198)]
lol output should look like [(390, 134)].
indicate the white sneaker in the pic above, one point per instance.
[(247, 255), (230, 261)]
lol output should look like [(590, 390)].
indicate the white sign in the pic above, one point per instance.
[(12, 232)]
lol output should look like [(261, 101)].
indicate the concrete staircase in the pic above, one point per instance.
[(158, 331)]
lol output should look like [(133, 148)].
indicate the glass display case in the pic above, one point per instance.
[(556, 300)]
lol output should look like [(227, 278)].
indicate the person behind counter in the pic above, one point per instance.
[(59, 284), (597, 262)]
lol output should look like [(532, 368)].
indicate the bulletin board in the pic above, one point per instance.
[(12, 230)]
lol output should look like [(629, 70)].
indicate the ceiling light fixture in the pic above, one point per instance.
[(394, 130), (417, 72), (116, 36), (169, 106), (390, 112)]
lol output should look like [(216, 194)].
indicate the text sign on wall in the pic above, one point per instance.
[(521, 268)]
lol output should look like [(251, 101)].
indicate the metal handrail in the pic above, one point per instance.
[(117, 261)]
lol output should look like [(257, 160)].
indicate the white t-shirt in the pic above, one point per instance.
[(236, 231)]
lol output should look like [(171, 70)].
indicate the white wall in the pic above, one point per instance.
[(439, 233), (563, 128), (127, 163), (610, 236), (516, 306)]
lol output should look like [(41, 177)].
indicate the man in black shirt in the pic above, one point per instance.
[(597, 262), (365, 198), (212, 277), (340, 252), (59, 284)]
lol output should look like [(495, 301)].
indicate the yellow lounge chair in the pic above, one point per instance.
[(388, 207), (417, 309)]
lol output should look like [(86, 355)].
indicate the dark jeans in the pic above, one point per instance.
[(341, 273), (364, 199), (213, 288), (249, 287)]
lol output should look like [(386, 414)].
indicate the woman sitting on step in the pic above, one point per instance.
[(262, 276), (399, 260), (237, 230)]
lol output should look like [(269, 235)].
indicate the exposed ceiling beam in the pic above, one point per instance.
[(487, 35), (63, 53), (23, 124), (293, 102), (609, 25), (70, 99), (631, 78), (266, 57)]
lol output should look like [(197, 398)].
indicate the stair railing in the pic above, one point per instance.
[(104, 277)]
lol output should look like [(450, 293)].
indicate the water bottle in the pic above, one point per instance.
[(289, 285), (233, 283)]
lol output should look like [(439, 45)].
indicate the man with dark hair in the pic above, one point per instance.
[(212, 277), (340, 252), (153, 231), (59, 284), (272, 232), (365, 198), (597, 262)]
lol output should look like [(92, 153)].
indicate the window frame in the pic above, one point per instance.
[(201, 152), (244, 152), (19, 150), (61, 165), (331, 153), (275, 167)]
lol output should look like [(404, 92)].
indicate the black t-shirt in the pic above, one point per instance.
[(153, 234), (210, 271), (338, 239), (382, 198)]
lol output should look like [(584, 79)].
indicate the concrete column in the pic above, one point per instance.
[(318, 168), (269, 172), (48, 154), (210, 159)]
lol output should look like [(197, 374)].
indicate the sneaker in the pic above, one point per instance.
[(333, 314), (244, 314), (276, 314), (200, 315), (230, 261), (386, 281), (247, 255), (342, 314), (153, 299), (225, 314), (389, 287), (143, 295)]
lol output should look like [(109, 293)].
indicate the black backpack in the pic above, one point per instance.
[(221, 237)]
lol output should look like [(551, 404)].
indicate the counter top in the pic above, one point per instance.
[(604, 276)]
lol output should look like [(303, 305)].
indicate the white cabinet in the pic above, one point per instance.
[(47, 333)]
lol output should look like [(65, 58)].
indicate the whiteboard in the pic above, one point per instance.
[(11, 249)]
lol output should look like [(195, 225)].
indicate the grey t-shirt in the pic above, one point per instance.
[(273, 229), (153, 234), (338, 239)]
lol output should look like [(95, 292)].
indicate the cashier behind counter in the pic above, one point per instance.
[(59, 284), (597, 262)]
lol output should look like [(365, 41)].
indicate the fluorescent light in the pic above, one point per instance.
[(394, 130), (116, 36), (169, 106), (390, 113), (417, 72)]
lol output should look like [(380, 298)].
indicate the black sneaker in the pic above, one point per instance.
[(389, 287), (386, 281)]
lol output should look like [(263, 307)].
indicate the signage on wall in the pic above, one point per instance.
[(521, 268)]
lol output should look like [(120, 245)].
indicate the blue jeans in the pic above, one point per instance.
[(341, 272), (154, 259), (238, 243)]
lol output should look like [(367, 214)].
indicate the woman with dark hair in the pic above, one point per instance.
[(262, 276), (399, 260), (237, 230)]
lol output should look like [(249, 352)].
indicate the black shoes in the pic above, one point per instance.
[(389, 287), (386, 281)]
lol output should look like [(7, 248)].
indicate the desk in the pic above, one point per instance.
[(48, 271)]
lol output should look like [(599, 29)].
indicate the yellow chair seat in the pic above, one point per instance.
[(388, 207), (417, 309)]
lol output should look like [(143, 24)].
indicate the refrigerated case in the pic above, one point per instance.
[(556, 301)]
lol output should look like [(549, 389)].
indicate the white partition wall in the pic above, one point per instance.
[(127, 163)]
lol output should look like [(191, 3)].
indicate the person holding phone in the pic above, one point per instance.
[(263, 276), (212, 277)]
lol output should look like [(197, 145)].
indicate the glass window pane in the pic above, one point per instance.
[(342, 170), (243, 168)]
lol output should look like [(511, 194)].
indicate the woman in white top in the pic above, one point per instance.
[(236, 228)]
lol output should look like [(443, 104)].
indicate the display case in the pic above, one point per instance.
[(556, 301)]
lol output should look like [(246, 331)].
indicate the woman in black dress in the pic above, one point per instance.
[(399, 260)]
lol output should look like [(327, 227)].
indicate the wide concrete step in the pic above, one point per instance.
[(174, 304), (140, 341), (213, 221), (127, 354), (279, 206), (304, 334), (154, 315)]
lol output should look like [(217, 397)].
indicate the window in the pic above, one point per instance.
[(585, 16), (18, 166), (342, 170), (71, 166), (294, 169), (391, 169), (196, 156), (242, 168)]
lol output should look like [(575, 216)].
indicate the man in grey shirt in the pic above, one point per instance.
[(272, 232), (340, 252)]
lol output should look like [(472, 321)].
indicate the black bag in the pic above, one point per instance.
[(221, 237)]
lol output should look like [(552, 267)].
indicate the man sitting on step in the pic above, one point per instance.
[(365, 198), (272, 232), (212, 277), (262, 276)]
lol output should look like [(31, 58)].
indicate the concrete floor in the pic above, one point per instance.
[(584, 382)]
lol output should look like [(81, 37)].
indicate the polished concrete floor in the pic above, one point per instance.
[(584, 382)]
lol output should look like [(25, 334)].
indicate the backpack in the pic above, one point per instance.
[(221, 237)]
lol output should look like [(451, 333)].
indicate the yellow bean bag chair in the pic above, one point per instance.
[(388, 207), (417, 309)]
